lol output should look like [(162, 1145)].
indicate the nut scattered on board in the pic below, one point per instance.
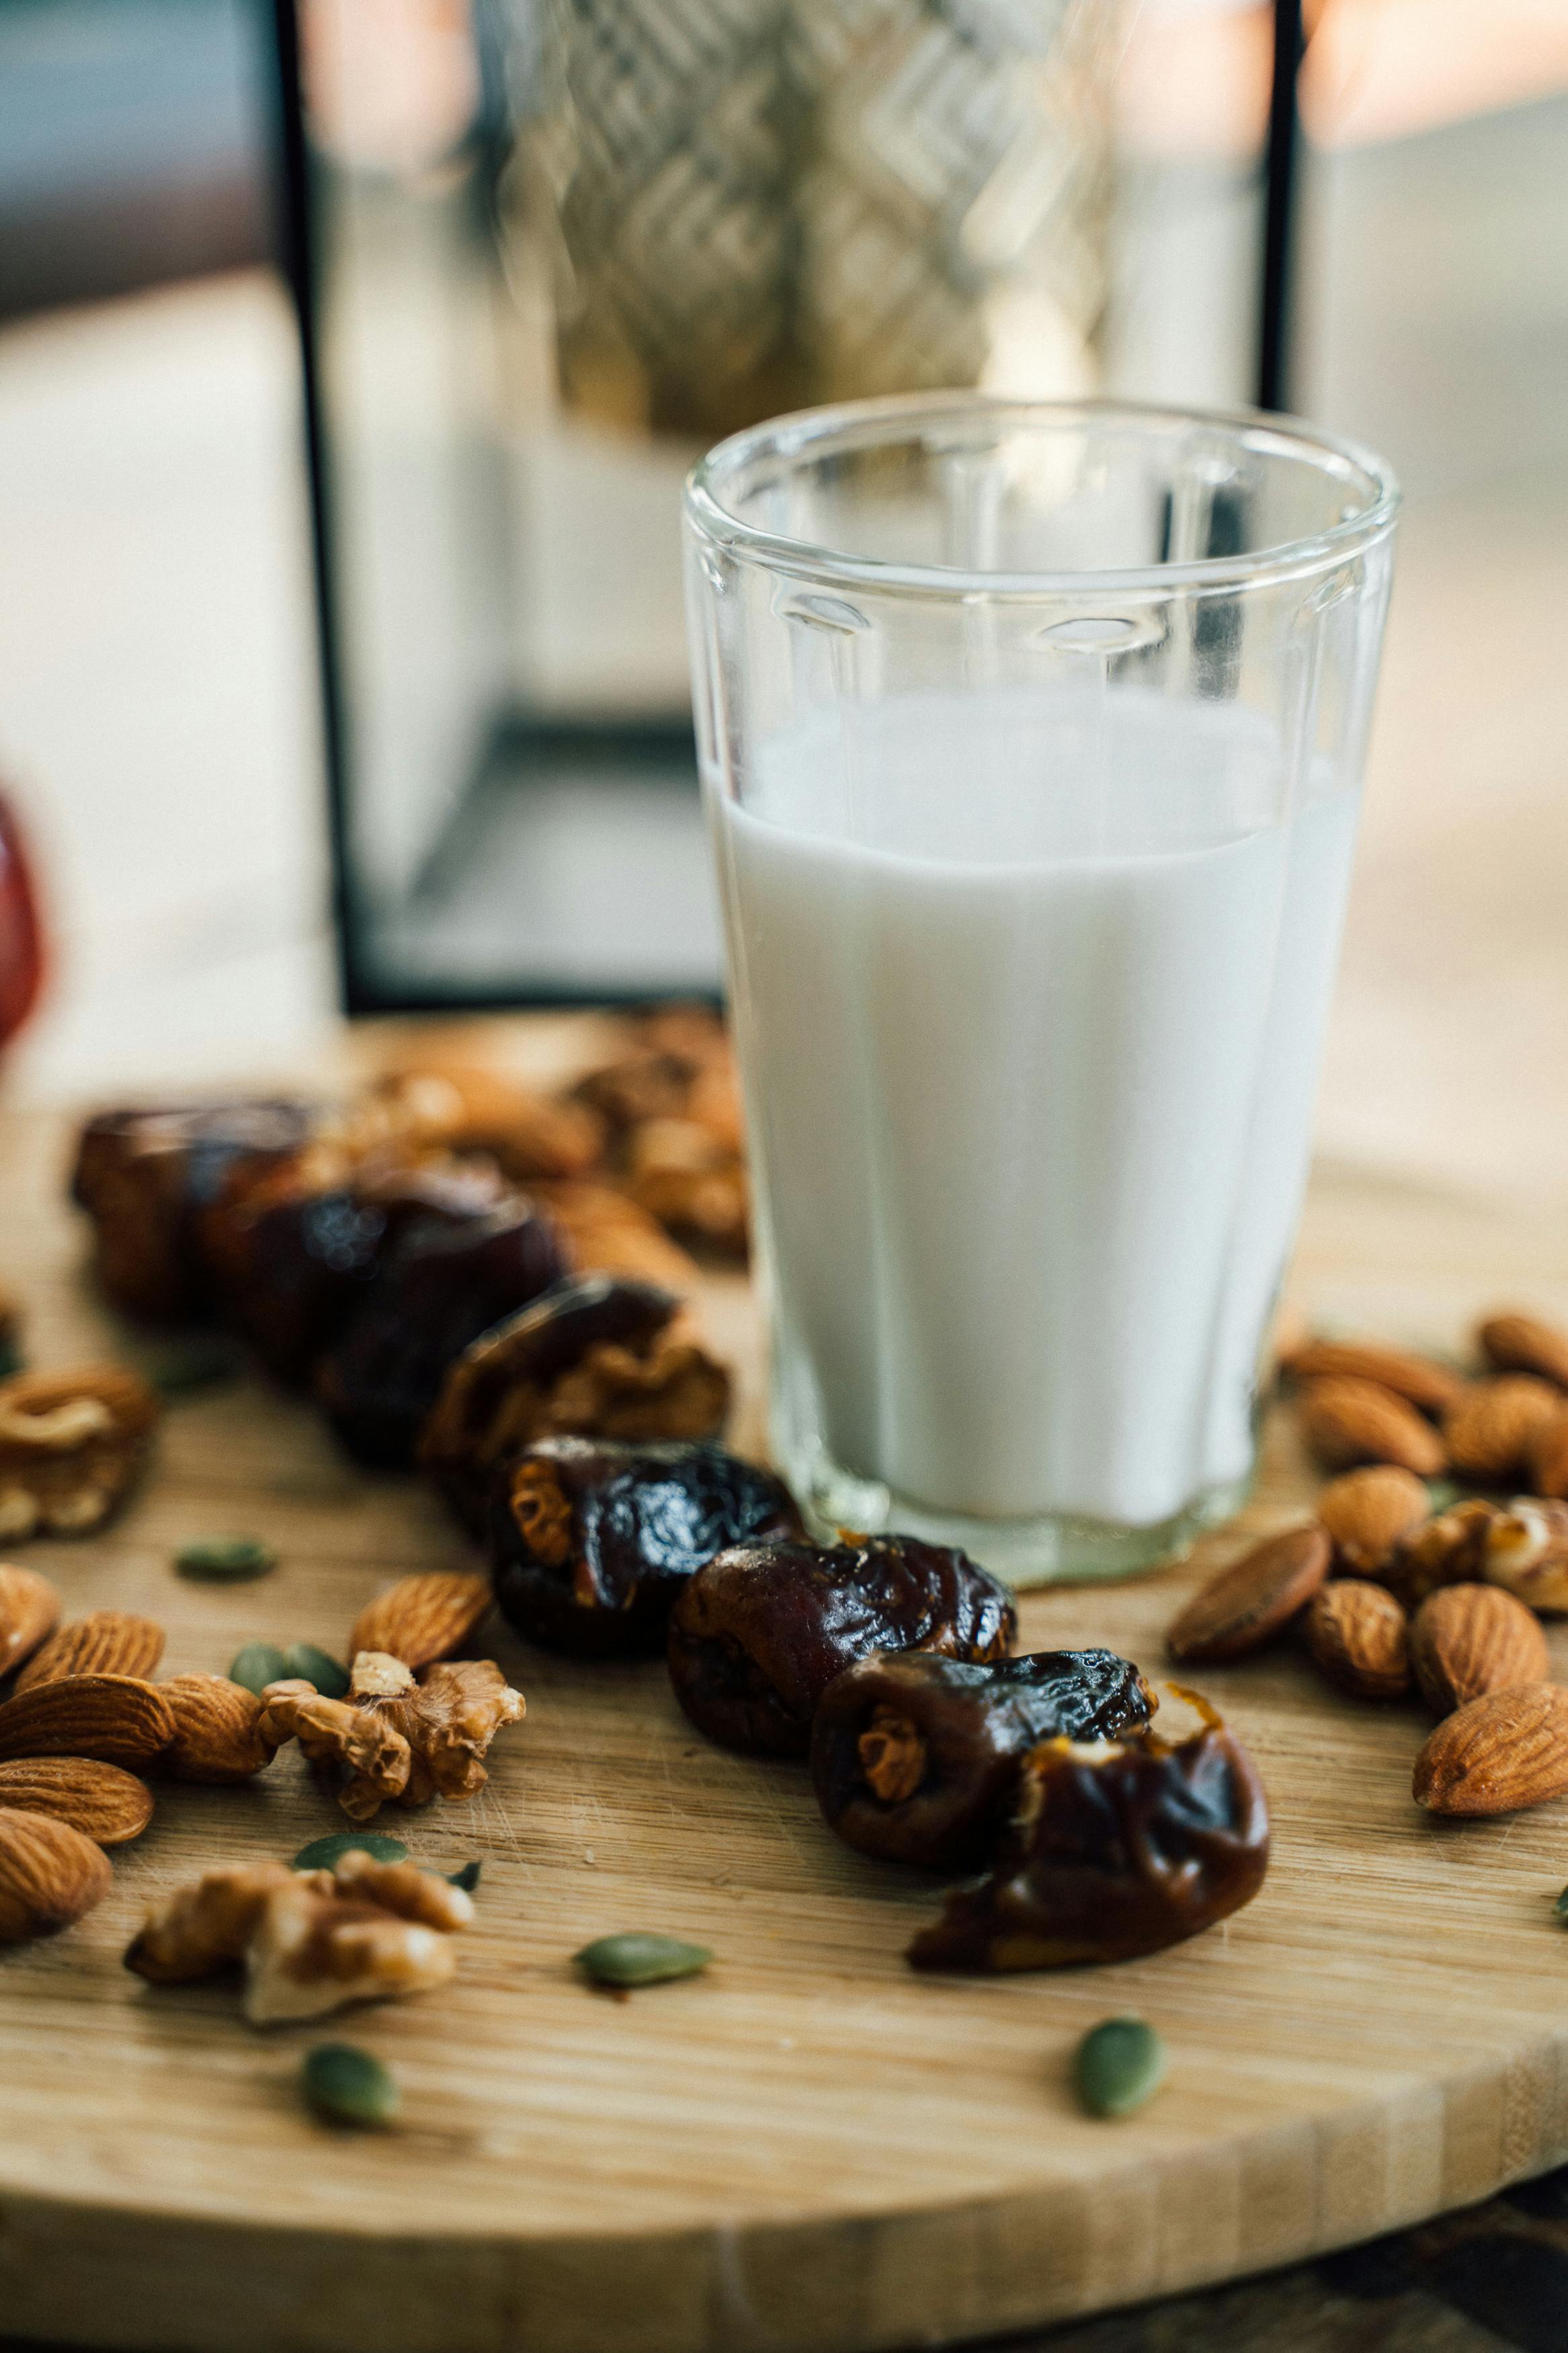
[(1429, 1387), (1513, 1343), (72, 1445), (117, 1719), (1449, 1549), (1467, 1640), (221, 1733), (50, 1875), (1348, 1420), (1249, 1602), (396, 1739), (1491, 1426), (29, 1611), (105, 1642), (1119, 2064), (638, 1958), (1366, 1514), (422, 1618), (1526, 1552), (1498, 1755), (223, 1560), (345, 2085), (310, 1941), (107, 1804), (1356, 1633)]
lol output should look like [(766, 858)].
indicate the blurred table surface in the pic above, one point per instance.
[(157, 724)]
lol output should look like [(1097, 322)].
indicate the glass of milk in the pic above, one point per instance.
[(1032, 737)]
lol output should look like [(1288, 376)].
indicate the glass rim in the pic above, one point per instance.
[(807, 431)]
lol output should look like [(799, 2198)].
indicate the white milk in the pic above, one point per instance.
[(1029, 992)]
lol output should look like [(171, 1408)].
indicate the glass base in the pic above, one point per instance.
[(1053, 1549)]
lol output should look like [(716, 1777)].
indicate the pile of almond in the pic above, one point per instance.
[(1390, 1593)]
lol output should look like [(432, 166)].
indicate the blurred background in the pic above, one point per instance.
[(540, 253)]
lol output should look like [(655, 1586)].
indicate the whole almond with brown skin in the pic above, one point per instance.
[(106, 1642), (1247, 1604), (1491, 1427), (50, 1875), (1429, 1387), (218, 1734), (1465, 1640), (422, 1618), (1367, 1512), (1350, 1421), (107, 1805), (117, 1719), (1525, 1343), (1356, 1632), (1547, 1465), (1499, 1754), (29, 1611)]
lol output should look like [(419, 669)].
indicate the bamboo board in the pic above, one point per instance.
[(811, 2150)]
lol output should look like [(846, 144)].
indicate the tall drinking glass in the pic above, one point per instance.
[(1033, 738)]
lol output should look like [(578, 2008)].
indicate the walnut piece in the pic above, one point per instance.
[(71, 1446), (471, 1109), (398, 1739), (310, 1941), (683, 1175)]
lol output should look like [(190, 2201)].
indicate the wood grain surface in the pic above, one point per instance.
[(810, 2148)]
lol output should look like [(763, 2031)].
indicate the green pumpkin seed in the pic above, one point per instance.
[(1561, 1906), (1116, 2067), (467, 1879), (222, 1557), (11, 1359), (323, 1852), (259, 1664), (636, 1958), (348, 2086), (316, 1667), (187, 1368)]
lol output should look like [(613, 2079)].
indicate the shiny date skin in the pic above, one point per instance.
[(758, 1634), (1117, 1849), (592, 1540), (916, 1756)]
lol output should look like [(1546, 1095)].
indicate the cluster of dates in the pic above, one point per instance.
[(459, 1294)]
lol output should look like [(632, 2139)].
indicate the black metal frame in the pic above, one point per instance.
[(362, 989)]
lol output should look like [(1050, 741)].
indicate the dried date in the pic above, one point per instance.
[(592, 1542), (596, 1357), (1118, 1847), (758, 1635), (916, 1756)]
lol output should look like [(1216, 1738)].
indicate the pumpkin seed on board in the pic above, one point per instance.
[(1117, 2065), (259, 1664), (467, 1879), (638, 1959), (323, 1852), (346, 2085), (222, 1557), (1561, 1906), (318, 1667)]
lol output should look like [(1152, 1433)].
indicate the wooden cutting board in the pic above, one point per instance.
[(811, 2147)]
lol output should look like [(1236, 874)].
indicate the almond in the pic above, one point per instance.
[(107, 1642), (1356, 1632), (1465, 1640), (1245, 1605), (1366, 1513), (50, 1875), (29, 1610), (117, 1719), (1429, 1387), (218, 1734), (1524, 1343), (1504, 1751), (1350, 1421), (105, 1804), (1491, 1427), (422, 1618), (1546, 1463)]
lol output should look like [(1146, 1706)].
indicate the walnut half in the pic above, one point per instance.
[(71, 1446), (397, 1738)]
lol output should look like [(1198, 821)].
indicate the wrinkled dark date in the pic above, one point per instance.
[(294, 1251), (916, 1757), (145, 1177), (1115, 1850), (760, 1633), (592, 1540), (439, 1286), (594, 1357)]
